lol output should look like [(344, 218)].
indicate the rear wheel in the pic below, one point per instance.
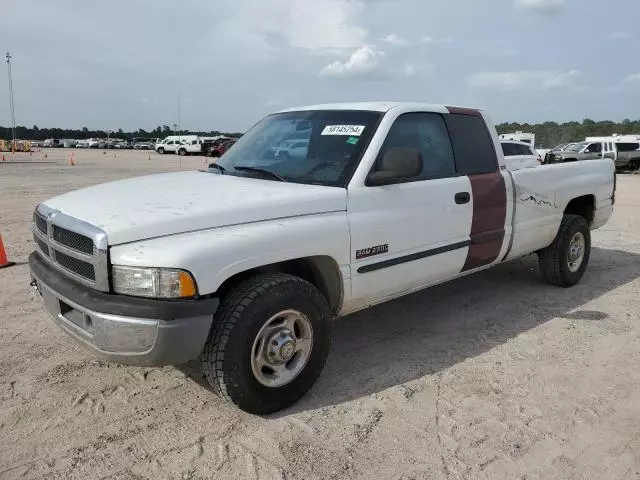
[(269, 343), (564, 262), (182, 152)]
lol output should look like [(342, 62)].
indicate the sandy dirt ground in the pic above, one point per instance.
[(494, 376)]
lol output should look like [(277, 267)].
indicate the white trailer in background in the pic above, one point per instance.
[(614, 138), (519, 136)]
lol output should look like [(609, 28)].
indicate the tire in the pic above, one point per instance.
[(215, 153), (555, 265), (227, 359), (161, 151), (182, 152)]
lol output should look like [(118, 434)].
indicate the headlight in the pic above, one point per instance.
[(153, 282)]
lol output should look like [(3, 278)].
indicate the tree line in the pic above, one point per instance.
[(35, 133), (548, 134)]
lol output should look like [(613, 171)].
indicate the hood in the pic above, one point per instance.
[(171, 203)]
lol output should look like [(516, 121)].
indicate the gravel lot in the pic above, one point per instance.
[(492, 376)]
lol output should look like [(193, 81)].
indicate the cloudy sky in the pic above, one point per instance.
[(121, 64)]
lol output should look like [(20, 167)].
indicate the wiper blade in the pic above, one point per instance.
[(259, 170), (220, 168)]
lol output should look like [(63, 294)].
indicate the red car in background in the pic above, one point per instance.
[(218, 150)]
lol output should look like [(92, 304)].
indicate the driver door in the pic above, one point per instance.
[(593, 152), (410, 234)]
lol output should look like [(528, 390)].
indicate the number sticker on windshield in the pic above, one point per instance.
[(350, 130)]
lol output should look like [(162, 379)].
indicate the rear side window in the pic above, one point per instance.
[(524, 150), (627, 147), (472, 145), (509, 149)]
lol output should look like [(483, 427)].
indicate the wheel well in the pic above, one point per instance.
[(321, 271), (583, 206)]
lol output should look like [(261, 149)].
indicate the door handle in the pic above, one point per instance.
[(462, 197)]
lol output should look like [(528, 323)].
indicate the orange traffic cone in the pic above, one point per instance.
[(149, 156), (71, 162), (3, 256)]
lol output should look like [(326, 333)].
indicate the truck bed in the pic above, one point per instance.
[(541, 195)]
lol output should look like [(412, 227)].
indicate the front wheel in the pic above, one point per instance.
[(161, 151), (269, 343), (564, 262)]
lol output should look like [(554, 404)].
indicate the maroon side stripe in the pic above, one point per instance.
[(489, 195)]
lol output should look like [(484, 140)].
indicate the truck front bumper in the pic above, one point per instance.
[(122, 329)]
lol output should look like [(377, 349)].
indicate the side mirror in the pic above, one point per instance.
[(397, 164)]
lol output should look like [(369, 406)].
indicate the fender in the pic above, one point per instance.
[(216, 255)]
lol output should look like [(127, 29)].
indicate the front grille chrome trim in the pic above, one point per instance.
[(99, 258)]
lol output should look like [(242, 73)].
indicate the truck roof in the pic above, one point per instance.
[(373, 106)]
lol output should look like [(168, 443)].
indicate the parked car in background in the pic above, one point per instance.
[(51, 143), (168, 146), (558, 148), (209, 145), (291, 149), (220, 150), (627, 155), (122, 144), (93, 143), (143, 145), (82, 144), (519, 155), (583, 151), (191, 147)]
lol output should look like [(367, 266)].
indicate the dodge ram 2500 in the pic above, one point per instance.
[(244, 264)]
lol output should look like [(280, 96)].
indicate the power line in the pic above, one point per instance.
[(11, 106)]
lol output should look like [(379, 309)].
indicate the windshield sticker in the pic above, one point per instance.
[(350, 130), (352, 140)]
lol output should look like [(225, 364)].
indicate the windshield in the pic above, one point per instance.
[(577, 147), (321, 147)]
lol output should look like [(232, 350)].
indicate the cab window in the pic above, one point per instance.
[(427, 133)]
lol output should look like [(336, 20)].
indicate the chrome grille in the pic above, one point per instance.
[(74, 247), (73, 240), (44, 248), (79, 267), (41, 223)]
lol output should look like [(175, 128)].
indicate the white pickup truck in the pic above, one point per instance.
[(243, 266)]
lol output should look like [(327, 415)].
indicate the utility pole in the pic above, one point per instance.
[(179, 116), (11, 107)]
